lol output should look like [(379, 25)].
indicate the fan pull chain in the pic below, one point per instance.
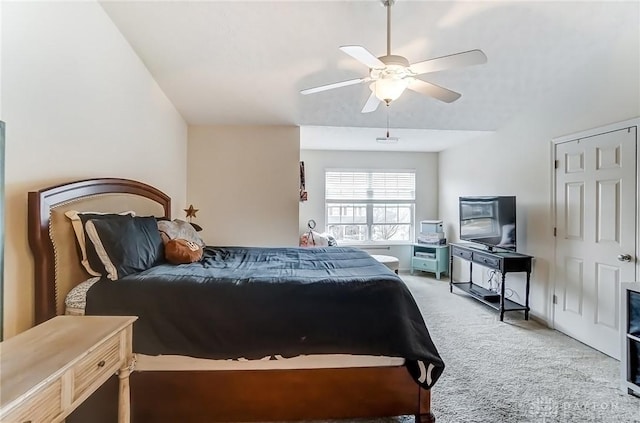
[(387, 120)]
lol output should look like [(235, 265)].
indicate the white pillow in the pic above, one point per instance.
[(314, 239), (76, 223)]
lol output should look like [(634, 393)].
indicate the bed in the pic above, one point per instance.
[(249, 390)]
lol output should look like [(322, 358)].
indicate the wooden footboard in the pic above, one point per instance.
[(265, 395)]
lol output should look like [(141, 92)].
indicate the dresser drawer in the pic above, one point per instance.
[(465, 254), (429, 265), (98, 365), (486, 260), (41, 407)]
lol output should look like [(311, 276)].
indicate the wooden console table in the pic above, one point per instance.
[(50, 369), (502, 261)]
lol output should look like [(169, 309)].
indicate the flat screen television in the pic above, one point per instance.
[(490, 221)]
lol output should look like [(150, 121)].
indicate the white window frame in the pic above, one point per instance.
[(370, 203)]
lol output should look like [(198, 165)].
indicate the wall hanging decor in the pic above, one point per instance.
[(191, 214), (303, 192)]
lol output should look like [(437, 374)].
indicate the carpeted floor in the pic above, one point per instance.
[(516, 370), (512, 371)]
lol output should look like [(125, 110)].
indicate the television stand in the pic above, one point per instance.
[(502, 261)]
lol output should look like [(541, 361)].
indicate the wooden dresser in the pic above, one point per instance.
[(47, 371)]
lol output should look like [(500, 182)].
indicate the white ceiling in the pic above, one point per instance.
[(244, 63), (364, 139)]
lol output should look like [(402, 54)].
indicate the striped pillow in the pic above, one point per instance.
[(78, 220)]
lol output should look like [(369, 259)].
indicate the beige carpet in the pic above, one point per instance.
[(516, 370), (512, 371)]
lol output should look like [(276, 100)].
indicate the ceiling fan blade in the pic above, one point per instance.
[(458, 60), (433, 90), (372, 104), (334, 85), (363, 56)]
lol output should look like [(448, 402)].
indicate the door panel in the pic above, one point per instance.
[(595, 221), (575, 162), (607, 283), (608, 211), (575, 210), (572, 295), (608, 157)]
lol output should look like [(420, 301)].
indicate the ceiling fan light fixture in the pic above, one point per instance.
[(389, 89), (391, 74), (387, 140)]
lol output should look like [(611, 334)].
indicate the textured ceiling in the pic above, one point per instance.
[(236, 62)]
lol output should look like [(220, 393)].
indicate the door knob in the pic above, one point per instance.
[(624, 257)]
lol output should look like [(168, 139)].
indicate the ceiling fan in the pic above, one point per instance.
[(390, 75)]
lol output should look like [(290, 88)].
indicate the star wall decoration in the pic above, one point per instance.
[(191, 211)]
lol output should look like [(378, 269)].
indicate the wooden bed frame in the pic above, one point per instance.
[(211, 396)]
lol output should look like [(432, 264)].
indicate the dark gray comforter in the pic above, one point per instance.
[(257, 302)]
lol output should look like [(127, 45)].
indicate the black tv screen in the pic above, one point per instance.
[(489, 221)]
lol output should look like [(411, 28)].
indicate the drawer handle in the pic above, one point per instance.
[(102, 363), (28, 421)]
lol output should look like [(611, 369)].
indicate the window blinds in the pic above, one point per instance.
[(370, 185)]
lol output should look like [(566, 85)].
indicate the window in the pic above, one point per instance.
[(367, 205)]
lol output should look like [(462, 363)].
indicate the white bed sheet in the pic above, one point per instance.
[(325, 361)]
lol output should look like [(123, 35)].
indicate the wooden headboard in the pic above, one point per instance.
[(57, 267)]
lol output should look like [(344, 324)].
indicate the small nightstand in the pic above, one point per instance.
[(430, 258), (48, 370)]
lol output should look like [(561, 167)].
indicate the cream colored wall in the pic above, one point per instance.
[(244, 181), (1, 194), (516, 160), (425, 165), (1, 62), (78, 103)]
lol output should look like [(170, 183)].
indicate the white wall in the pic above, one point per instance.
[(244, 181), (78, 103), (425, 165), (516, 160)]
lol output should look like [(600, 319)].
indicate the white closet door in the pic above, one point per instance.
[(596, 231)]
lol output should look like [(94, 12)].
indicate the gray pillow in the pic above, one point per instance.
[(179, 229)]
